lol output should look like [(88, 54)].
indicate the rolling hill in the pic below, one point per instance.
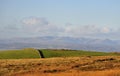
[(48, 53)]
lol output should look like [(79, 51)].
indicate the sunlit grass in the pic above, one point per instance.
[(19, 54), (73, 53), (62, 66), (48, 53)]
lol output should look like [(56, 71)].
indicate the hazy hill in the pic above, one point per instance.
[(61, 42)]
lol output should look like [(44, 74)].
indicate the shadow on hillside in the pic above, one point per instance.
[(40, 53)]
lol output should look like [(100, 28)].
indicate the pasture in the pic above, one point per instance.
[(49, 53), (19, 54)]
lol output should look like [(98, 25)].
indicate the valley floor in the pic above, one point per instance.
[(63, 66)]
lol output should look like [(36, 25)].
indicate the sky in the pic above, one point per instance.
[(62, 18)]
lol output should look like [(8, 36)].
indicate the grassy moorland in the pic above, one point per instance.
[(27, 62), (62, 66), (19, 54), (49, 53)]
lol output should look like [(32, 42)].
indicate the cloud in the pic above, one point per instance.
[(34, 21), (105, 30), (37, 26), (88, 31), (31, 27), (79, 30), (40, 27)]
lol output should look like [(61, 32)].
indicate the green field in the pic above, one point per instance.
[(19, 54), (48, 53), (74, 53)]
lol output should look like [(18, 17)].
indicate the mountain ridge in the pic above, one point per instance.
[(61, 42)]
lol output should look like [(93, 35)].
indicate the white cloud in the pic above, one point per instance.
[(87, 31), (105, 30), (40, 27), (81, 30), (34, 21), (36, 26)]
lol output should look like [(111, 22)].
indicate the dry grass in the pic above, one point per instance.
[(64, 66), (79, 73)]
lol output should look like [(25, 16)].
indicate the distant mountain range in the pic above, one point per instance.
[(62, 43)]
